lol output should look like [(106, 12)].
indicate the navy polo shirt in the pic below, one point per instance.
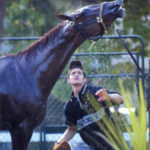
[(82, 114)]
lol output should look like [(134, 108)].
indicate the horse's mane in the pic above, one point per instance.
[(43, 41)]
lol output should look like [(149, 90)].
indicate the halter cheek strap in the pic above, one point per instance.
[(100, 17), (80, 26)]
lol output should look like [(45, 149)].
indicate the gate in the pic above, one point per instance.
[(54, 127)]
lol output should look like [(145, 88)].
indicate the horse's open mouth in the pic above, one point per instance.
[(120, 10), (117, 10)]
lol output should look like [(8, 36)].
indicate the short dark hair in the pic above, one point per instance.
[(76, 64)]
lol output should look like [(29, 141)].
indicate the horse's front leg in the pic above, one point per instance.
[(21, 136)]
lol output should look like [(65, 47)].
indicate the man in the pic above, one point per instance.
[(81, 111)]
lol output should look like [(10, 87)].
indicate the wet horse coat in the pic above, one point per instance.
[(27, 78)]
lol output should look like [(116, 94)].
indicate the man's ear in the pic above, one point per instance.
[(63, 17)]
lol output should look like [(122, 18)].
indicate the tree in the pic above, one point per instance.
[(29, 18), (35, 17), (138, 22), (2, 10)]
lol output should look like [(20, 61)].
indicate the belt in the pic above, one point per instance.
[(90, 118)]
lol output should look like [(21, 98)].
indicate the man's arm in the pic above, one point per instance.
[(68, 134), (62, 143), (114, 97)]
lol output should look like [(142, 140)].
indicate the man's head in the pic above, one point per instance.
[(75, 64), (76, 74)]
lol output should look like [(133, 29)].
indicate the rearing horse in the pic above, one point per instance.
[(27, 78)]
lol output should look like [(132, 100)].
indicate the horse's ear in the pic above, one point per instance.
[(63, 17)]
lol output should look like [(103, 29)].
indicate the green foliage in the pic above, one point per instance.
[(61, 90), (134, 124), (36, 17), (138, 22), (29, 18), (138, 120)]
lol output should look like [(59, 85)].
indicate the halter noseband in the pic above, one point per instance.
[(99, 20)]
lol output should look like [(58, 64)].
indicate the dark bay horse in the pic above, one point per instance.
[(27, 78)]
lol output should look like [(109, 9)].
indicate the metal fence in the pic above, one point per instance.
[(107, 80), (49, 131)]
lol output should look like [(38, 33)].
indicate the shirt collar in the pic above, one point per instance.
[(81, 92)]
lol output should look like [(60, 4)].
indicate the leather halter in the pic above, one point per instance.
[(99, 20)]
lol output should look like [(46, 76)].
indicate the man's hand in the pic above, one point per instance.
[(102, 94), (63, 145)]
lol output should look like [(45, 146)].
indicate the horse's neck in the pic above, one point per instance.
[(47, 57)]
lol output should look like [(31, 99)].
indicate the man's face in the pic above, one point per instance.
[(76, 77)]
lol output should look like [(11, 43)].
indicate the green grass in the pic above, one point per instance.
[(134, 124)]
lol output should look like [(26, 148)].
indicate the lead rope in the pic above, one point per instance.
[(147, 78), (128, 50)]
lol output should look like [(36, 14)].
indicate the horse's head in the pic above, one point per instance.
[(93, 20)]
